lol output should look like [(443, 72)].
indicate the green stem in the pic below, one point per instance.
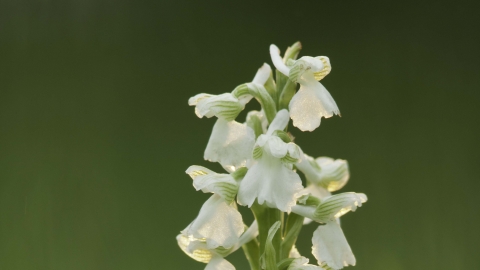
[(252, 253), (271, 87), (282, 80), (266, 217), (293, 228), (286, 94)]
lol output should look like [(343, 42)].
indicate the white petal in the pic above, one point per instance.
[(294, 253), (276, 147), (219, 263), (272, 183), (218, 222), (317, 191), (262, 74), (248, 235), (311, 103), (334, 174), (301, 263), (209, 181), (328, 102), (262, 140), (309, 167), (201, 254), (230, 144), (279, 122), (338, 205), (313, 63), (193, 101), (294, 151), (277, 60), (331, 247)]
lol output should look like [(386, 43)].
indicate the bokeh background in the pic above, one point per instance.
[(96, 133)]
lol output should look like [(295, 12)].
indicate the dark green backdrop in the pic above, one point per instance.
[(96, 133)]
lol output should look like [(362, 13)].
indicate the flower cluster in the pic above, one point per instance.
[(261, 164)]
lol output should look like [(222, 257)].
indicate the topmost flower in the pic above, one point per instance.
[(312, 101)]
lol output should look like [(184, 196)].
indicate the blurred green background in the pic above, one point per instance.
[(96, 133)]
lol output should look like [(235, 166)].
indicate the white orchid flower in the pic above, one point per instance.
[(330, 247), (271, 179), (301, 263), (214, 258), (218, 221), (312, 101), (231, 142), (226, 106), (332, 207), (325, 175), (331, 174)]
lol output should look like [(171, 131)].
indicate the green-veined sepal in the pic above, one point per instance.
[(225, 106), (286, 138), (257, 152), (337, 205), (209, 181)]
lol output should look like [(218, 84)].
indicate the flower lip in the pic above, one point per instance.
[(218, 222), (311, 103), (330, 247)]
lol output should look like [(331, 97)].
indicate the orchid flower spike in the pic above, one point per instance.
[(227, 106), (262, 162), (312, 101), (271, 179)]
